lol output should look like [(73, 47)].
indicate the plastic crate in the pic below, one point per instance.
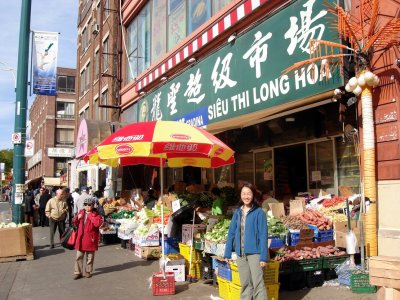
[(234, 291), (171, 245), (359, 283), (332, 262), (321, 234), (277, 242), (294, 236), (271, 272), (315, 278), (235, 274), (273, 291), (294, 281), (184, 250), (330, 274), (195, 270), (223, 288), (224, 270), (286, 267), (304, 265), (163, 286), (214, 262)]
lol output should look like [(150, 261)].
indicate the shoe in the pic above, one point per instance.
[(77, 276), (88, 275)]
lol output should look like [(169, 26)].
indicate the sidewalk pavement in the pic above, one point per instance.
[(118, 274)]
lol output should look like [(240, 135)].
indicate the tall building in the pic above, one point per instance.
[(52, 125), (98, 72)]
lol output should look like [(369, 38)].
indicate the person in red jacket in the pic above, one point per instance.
[(88, 221)]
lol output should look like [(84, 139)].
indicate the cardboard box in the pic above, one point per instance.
[(148, 252), (177, 266), (16, 241), (151, 239), (341, 229), (187, 231)]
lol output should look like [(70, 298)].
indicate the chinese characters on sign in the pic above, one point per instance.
[(247, 76)]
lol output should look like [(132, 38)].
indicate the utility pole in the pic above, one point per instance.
[(20, 113)]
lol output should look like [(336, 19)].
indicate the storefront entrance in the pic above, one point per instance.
[(290, 171)]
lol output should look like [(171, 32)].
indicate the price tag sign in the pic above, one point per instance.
[(296, 207), (175, 205)]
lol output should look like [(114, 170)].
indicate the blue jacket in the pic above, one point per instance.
[(255, 234)]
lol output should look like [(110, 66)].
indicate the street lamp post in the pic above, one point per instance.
[(20, 112), (11, 70)]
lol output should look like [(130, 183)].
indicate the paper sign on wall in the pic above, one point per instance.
[(176, 205), (316, 176), (296, 207)]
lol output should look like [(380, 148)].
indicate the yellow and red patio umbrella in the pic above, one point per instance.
[(163, 143)]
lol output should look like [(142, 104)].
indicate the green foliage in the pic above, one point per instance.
[(6, 157)]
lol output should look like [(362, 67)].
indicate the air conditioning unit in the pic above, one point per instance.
[(96, 28)]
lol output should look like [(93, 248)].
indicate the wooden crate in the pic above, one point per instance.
[(385, 271)]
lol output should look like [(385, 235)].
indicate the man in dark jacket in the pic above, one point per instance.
[(29, 206), (44, 197)]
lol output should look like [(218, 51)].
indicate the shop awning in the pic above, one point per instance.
[(33, 180)]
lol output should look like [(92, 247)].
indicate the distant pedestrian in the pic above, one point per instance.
[(44, 198), (75, 195), (88, 221), (70, 204), (56, 211), (29, 206), (78, 205)]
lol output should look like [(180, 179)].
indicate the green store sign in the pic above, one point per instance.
[(246, 75)]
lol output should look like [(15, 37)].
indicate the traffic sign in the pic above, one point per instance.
[(16, 138)]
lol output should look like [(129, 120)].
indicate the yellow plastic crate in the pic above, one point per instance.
[(271, 272), (235, 274), (184, 250), (234, 291), (223, 288), (195, 271), (273, 291)]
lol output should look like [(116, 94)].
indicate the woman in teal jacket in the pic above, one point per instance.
[(247, 236)]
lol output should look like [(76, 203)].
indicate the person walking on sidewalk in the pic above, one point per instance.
[(247, 236), (44, 198), (88, 221), (78, 204), (56, 211)]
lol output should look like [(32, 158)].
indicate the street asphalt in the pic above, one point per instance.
[(118, 274)]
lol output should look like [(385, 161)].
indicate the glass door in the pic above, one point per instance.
[(321, 166)]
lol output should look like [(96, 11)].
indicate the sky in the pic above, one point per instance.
[(46, 15)]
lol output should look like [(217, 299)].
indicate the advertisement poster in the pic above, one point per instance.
[(159, 34), (199, 13), (176, 22), (268, 169), (44, 56)]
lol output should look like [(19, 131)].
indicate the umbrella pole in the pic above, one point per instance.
[(162, 214), (190, 277)]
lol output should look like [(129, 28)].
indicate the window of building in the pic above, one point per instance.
[(106, 12), (61, 166), (66, 84), (87, 77), (82, 83), (96, 65), (139, 43), (96, 110), (64, 136), (105, 55), (65, 110), (104, 101), (161, 25)]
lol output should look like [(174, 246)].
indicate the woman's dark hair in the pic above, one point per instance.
[(256, 195)]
